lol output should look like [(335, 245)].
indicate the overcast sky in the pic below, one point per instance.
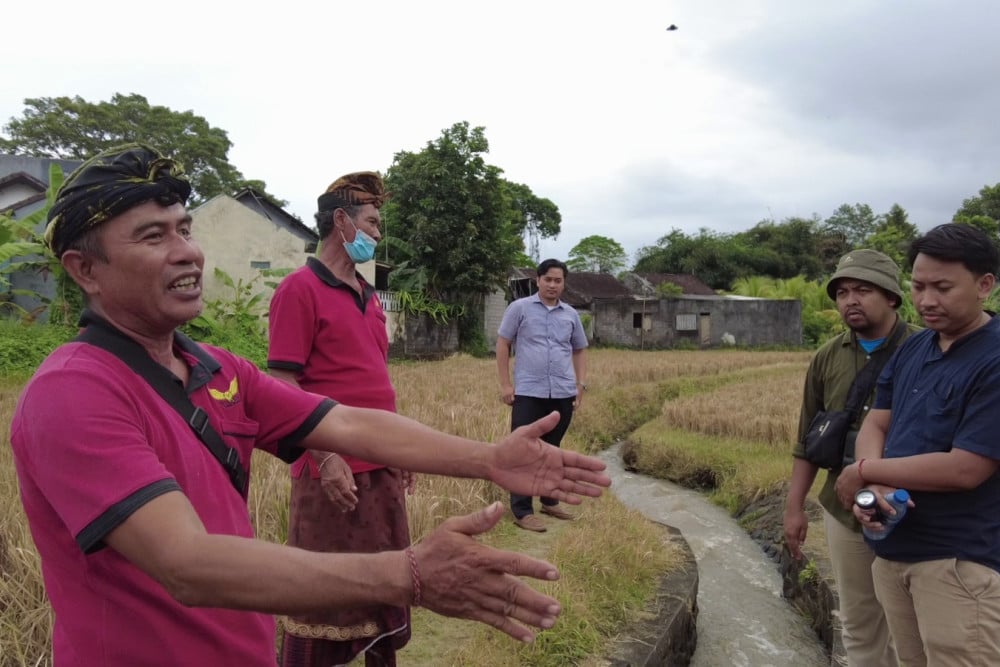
[(751, 110)]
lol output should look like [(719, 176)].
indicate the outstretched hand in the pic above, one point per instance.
[(525, 464), (462, 578)]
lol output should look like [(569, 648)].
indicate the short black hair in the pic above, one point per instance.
[(957, 242), (547, 264)]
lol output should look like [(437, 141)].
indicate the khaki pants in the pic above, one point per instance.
[(941, 612), (865, 632)]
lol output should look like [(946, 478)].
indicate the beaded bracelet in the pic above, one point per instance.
[(414, 577)]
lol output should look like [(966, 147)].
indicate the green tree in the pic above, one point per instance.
[(534, 216), (783, 250), (893, 235), (454, 212), (73, 128), (597, 253), (856, 223), (716, 259), (982, 211)]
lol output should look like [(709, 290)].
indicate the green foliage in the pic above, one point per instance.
[(809, 574), (793, 247), (418, 303), (235, 323), (73, 128), (598, 254), (855, 223), (457, 222), (820, 318), (23, 249), (983, 208), (23, 346), (452, 208), (668, 290), (531, 213), (470, 332), (893, 235)]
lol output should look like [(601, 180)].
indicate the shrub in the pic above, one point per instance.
[(23, 346)]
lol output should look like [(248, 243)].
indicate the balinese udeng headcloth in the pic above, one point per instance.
[(109, 184), (359, 188)]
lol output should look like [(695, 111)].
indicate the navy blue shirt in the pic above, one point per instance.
[(940, 400)]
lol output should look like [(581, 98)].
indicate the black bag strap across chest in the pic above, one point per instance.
[(103, 335), (866, 378)]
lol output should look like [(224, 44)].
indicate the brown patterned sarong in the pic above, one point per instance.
[(378, 523)]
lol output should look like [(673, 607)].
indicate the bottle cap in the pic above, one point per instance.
[(901, 495)]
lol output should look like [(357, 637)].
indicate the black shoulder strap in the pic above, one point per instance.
[(868, 376), (106, 337)]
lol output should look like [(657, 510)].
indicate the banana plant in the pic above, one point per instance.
[(23, 249)]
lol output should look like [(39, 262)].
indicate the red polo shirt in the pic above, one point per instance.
[(92, 443), (334, 340)]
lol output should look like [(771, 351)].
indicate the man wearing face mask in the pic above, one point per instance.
[(328, 336)]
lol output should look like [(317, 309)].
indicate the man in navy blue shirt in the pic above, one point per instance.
[(549, 370), (935, 431)]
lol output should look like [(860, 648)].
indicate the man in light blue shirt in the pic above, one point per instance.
[(550, 370)]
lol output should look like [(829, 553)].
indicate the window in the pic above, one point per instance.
[(642, 321), (259, 264), (686, 322)]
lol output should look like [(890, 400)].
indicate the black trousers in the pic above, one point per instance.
[(525, 410)]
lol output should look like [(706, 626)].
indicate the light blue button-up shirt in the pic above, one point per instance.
[(543, 339)]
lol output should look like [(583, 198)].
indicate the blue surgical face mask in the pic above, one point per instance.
[(362, 248)]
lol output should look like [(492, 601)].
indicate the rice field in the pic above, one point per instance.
[(728, 415)]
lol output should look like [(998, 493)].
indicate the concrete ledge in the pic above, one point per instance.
[(667, 635)]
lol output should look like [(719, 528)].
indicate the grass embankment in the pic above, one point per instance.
[(732, 439)]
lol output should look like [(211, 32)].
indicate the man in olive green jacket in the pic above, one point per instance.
[(866, 289)]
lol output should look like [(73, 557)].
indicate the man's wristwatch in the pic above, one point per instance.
[(581, 385)]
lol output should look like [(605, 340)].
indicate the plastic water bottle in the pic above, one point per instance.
[(865, 499)]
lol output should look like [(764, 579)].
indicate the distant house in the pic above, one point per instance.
[(247, 233), (696, 320), (23, 183), (631, 312), (647, 284), (582, 287), (24, 180)]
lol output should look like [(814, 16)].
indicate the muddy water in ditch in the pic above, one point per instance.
[(743, 621)]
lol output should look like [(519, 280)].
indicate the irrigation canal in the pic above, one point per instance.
[(743, 621)]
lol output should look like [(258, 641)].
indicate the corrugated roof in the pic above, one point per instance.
[(689, 283)]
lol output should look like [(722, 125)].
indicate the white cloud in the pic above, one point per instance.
[(753, 109)]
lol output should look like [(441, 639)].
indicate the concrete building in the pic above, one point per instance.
[(696, 320), (245, 234)]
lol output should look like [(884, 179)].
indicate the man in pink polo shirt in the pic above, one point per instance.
[(328, 336), (139, 514)]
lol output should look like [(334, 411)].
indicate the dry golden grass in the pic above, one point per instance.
[(25, 616), (765, 409), (734, 440), (725, 417)]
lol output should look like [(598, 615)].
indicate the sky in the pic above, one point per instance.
[(751, 110)]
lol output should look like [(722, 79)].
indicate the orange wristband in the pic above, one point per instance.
[(861, 472)]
